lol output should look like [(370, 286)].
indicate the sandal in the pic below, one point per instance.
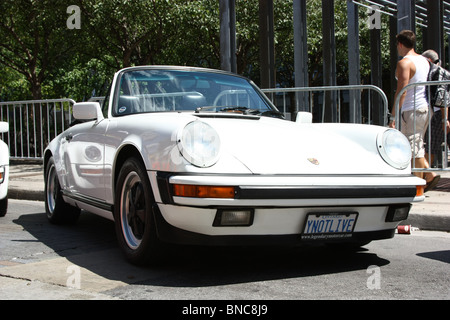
[(432, 184)]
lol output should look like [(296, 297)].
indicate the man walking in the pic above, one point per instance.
[(413, 104)]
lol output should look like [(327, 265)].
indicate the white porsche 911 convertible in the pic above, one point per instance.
[(197, 156), (4, 171)]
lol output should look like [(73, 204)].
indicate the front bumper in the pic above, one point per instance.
[(280, 205), (170, 233)]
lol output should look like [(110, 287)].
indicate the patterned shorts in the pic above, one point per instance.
[(414, 125)]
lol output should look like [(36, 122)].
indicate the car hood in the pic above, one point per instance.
[(273, 146)]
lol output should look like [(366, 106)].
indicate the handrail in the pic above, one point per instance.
[(337, 88), (38, 101), (405, 88), (33, 123), (28, 140), (397, 122)]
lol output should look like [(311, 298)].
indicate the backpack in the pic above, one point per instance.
[(439, 94)]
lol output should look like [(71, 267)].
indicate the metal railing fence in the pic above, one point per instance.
[(348, 102), (33, 124), (291, 100), (443, 157)]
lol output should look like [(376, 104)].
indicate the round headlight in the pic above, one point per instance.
[(199, 144), (394, 148)]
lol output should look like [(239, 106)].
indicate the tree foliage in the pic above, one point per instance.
[(40, 57), (33, 43)]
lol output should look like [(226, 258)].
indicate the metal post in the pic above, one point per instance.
[(376, 74), (434, 32), (233, 36), (354, 76), (300, 54), (329, 61), (393, 58), (227, 35), (406, 15), (266, 40)]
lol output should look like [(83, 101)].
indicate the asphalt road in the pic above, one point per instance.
[(43, 261)]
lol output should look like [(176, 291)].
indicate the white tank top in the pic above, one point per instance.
[(416, 96)]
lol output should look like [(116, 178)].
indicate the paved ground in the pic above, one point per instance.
[(27, 183)]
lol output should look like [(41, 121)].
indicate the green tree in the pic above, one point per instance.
[(34, 39), (13, 85), (126, 33), (55, 61)]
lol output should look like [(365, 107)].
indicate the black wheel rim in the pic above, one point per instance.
[(51, 190), (132, 210)]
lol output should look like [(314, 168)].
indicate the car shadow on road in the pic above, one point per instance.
[(91, 244), (208, 266)]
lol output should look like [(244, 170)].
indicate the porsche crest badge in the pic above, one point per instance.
[(314, 161)]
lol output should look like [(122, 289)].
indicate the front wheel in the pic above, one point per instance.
[(133, 215), (57, 210)]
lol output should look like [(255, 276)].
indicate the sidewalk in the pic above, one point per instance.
[(27, 183)]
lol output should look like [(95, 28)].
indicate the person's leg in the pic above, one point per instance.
[(422, 163), (415, 128)]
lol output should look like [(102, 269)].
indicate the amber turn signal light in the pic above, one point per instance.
[(420, 191), (193, 191)]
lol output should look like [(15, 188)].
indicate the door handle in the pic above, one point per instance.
[(69, 137)]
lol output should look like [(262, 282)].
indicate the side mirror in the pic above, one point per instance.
[(304, 117), (4, 127), (87, 111)]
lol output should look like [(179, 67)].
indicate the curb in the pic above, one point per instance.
[(435, 222), (32, 195)]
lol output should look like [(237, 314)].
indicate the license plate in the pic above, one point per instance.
[(329, 226)]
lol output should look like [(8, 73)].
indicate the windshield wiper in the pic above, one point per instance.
[(243, 110), (197, 110), (273, 114)]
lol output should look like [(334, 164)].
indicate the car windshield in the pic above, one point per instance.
[(159, 90)]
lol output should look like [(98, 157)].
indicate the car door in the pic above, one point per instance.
[(83, 159)]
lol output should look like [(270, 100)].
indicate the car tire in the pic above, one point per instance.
[(3, 206), (57, 210), (133, 215)]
